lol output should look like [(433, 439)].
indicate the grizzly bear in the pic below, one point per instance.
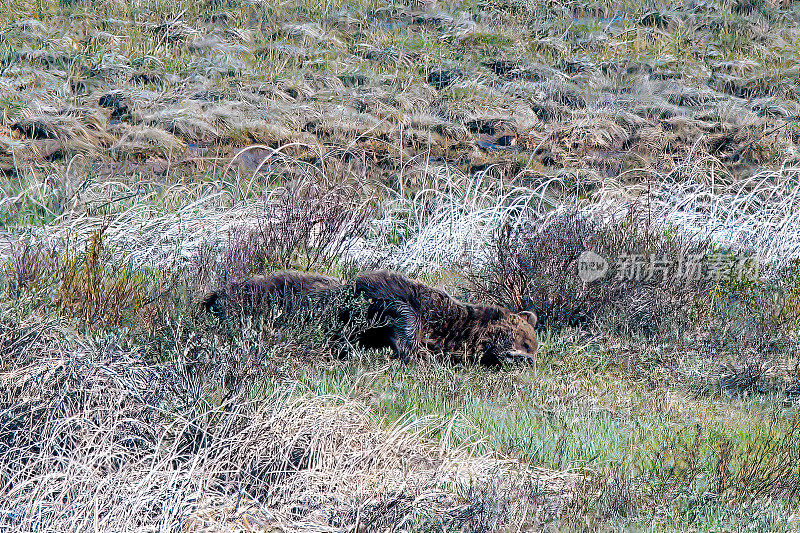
[(422, 318), (409, 317)]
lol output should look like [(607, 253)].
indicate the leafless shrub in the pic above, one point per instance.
[(620, 498), (763, 466), (608, 493), (679, 459), (313, 223), (309, 224), (535, 266), (767, 467), (745, 378), (754, 314)]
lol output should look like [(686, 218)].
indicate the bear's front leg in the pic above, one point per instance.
[(405, 332)]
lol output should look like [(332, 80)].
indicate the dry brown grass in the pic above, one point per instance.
[(278, 80), (150, 151), (94, 437)]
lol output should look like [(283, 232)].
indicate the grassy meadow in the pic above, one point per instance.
[(154, 150)]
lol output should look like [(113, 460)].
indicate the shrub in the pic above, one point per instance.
[(86, 284), (310, 224), (95, 290), (535, 266)]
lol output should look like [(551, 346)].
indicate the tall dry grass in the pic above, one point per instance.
[(95, 437)]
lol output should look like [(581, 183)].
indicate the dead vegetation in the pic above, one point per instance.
[(151, 152), (591, 96), (535, 265), (107, 441)]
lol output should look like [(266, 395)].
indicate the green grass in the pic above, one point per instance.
[(665, 440)]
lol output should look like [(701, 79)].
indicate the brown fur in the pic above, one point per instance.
[(425, 319), (285, 290), (412, 318)]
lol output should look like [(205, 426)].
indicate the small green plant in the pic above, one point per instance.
[(97, 292)]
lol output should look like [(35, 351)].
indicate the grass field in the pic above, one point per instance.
[(153, 150)]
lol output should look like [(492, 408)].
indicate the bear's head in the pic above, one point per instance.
[(510, 338)]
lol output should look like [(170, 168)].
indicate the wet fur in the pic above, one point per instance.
[(285, 290)]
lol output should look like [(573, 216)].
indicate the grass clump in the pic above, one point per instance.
[(86, 285)]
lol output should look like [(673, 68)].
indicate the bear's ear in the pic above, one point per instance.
[(530, 316)]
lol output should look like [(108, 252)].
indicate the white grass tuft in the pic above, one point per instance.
[(443, 226), (761, 213), (451, 218)]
